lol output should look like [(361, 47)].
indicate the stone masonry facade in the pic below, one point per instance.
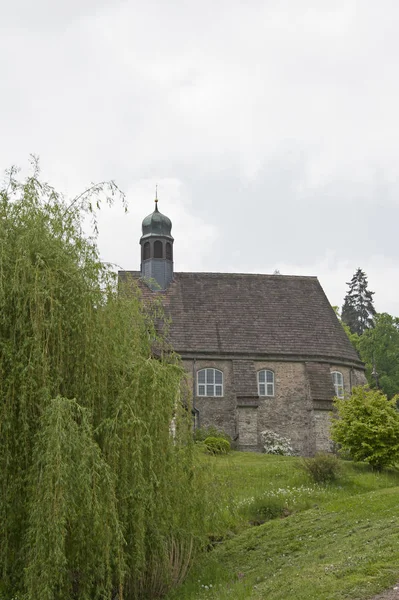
[(292, 412)]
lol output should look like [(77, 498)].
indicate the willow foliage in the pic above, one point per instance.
[(97, 499)]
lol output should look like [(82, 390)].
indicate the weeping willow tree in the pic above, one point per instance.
[(97, 499)]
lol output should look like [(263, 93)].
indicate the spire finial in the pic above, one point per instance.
[(156, 196)]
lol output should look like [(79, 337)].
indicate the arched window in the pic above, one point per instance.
[(146, 251), (158, 250), (338, 383), (210, 382), (265, 383), (168, 250)]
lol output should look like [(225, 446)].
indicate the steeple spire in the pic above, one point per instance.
[(157, 249), (156, 197)]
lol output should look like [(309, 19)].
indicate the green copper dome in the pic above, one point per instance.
[(156, 224)]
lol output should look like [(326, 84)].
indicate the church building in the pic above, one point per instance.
[(264, 352)]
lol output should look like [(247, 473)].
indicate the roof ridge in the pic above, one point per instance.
[(220, 274)]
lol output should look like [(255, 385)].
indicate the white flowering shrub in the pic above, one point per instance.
[(273, 443), (290, 495), (283, 501)]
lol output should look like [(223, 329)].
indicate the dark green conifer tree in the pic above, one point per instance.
[(358, 308)]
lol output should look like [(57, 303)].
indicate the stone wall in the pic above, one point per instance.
[(247, 428), (321, 427), (352, 377), (219, 412), (288, 413), (291, 412)]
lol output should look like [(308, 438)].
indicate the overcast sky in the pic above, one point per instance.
[(271, 127)]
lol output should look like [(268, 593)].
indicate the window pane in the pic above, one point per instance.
[(218, 390), (262, 389), (270, 390), (261, 376), (218, 377), (269, 376), (209, 375), (201, 376), (337, 378), (201, 390), (209, 390), (338, 382)]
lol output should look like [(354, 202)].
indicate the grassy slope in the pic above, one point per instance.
[(346, 546)]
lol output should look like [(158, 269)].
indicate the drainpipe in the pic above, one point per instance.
[(195, 410)]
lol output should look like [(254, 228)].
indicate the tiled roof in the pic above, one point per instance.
[(320, 381), (245, 378), (245, 314)]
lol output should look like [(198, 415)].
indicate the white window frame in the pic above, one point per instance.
[(208, 386), (268, 388), (338, 383)]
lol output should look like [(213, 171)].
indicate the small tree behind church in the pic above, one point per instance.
[(366, 426), (358, 308)]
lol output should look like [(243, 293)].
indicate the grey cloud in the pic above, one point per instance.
[(47, 15), (278, 119)]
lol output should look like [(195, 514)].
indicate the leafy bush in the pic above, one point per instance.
[(202, 433), (322, 468), (367, 426), (216, 445), (273, 443)]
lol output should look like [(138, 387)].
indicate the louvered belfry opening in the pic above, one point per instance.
[(158, 250), (146, 251)]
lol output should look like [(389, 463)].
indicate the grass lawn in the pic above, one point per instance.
[(326, 541)]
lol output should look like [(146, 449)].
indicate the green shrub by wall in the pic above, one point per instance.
[(217, 445)]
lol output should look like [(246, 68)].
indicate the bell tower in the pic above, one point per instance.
[(157, 250)]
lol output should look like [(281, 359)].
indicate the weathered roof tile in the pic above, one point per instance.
[(248, 314), (320, 381), (245, 378)]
